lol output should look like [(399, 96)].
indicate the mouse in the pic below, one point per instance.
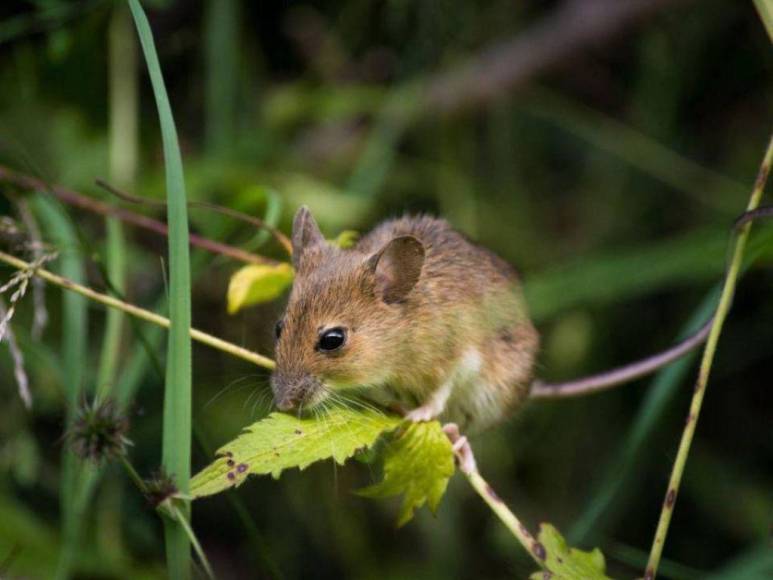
[(418, 318)]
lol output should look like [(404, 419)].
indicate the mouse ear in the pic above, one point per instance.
[(397, 267), (305, 233)]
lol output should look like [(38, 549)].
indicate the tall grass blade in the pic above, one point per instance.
[(221, 36), (61, 233), (176, 445)]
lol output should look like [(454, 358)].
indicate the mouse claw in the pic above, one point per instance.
[(461, 448)]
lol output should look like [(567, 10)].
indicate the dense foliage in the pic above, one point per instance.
[(608, 168)]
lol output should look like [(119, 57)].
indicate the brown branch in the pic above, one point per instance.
[(507, 65), (81, 201)]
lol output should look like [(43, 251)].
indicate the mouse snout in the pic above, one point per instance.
[(290, 392)]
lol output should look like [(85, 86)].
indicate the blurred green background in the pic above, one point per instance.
[(603, 147)]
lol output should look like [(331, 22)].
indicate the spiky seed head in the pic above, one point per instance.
[(98, 432)]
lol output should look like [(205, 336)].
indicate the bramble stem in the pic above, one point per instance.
[(511, 521), (136, 311), (705, 368), (465, 461)]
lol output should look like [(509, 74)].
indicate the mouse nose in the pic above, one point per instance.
[(291, 390), (287, 391), (288, 402)]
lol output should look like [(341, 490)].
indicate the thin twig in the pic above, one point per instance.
[(535, 549), (723, 308), (138, 312), (95, 206), (283, 240), (465, 461)]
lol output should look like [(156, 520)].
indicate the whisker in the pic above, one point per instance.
[(227, 387)]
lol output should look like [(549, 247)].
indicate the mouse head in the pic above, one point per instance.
[(345, 321)]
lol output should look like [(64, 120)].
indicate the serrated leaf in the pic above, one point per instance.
[(418, 463), (346, 239), (565, 563), (257, 283), (282, 441)]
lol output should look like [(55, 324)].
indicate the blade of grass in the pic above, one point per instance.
[(74, 353), (221, 36), (124, 148), (765, 10), (728, 289), (176, 445), (754, 564), (626, 273), (618, 477)]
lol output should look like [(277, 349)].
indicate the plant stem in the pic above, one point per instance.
[(133, 475), (705, 369), (141, 313), (180, 516), (521, 533), (173, 511)]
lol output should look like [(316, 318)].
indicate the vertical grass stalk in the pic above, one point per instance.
[(176, 445), (705, 369), (61, 233)]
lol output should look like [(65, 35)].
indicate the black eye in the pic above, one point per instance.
[(331, 339), (278, 328)]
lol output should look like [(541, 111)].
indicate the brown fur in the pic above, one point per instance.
[(422, 307)]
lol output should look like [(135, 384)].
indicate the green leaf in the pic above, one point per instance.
[(346, 239), (565, 563), (282, 441), (418, 463), (257, 283)]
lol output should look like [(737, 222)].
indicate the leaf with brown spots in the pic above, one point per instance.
[(418, 462), (282, 441), (565, 563)]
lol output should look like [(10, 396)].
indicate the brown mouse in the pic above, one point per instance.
[(416, 316)]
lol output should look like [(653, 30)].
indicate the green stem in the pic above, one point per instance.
[(521, 533), (133, 475), (141, 313), (705, 369), (180, 517)]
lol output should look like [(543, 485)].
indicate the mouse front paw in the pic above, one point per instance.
[(423, 413)]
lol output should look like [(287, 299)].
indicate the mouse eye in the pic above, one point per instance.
[(331, 339), (278, 328)]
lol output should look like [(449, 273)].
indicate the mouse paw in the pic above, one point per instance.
[(420, 414)]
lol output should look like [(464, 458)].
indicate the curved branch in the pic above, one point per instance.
[(76, 199)]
